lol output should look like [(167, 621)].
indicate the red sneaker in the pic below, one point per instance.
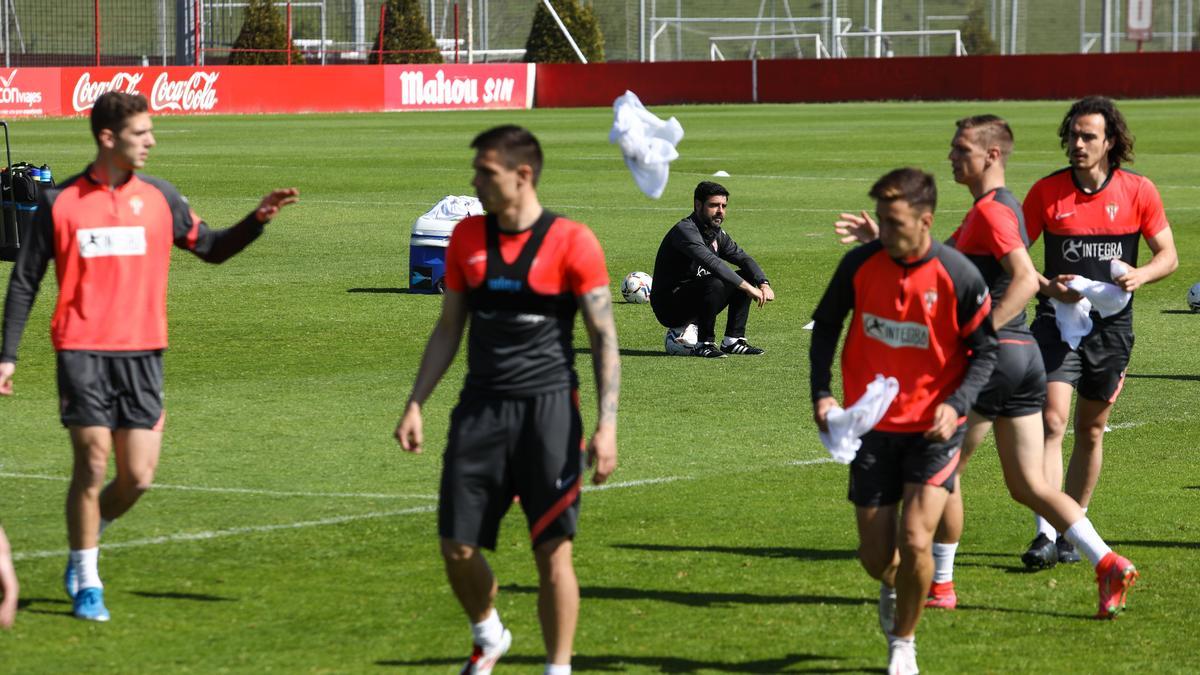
[(942, 595), (1114, 576)]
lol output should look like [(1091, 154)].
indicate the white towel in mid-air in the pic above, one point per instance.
[(647, 143), (846, 426)]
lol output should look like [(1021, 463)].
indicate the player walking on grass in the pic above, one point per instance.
[(993, 237), (519, 273), (1091, 212), (109, 232), (921, 315)]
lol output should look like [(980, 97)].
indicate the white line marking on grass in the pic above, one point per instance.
[(634, 483), (256, 529), (216, 534), (244, 491), (810, 462)]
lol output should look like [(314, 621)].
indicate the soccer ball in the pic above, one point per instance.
[(636, 288), (1193, 297)]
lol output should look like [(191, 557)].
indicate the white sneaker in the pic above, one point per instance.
[(902, 658), (674, 346), (483, 660), (887, 611), (688, 335)]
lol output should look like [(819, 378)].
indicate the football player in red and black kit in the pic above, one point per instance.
[(109, 232), (920, 314), (993, 237), (519, 273), (1090, 213)]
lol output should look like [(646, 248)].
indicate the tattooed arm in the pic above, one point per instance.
[(596, 305)]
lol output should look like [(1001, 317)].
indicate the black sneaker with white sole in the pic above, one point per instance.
[(740, 346), (1066, 550), (1042, 553), (708, 350)]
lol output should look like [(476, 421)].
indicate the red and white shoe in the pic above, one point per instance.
[(942, 596), (1114, 576), (483, 660)]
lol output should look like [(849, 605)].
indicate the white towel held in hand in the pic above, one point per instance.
[(647, 143), (846, 426)]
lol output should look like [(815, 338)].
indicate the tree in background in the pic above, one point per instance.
[(547, 44), (263, 28), (975, 35), (404, 28)]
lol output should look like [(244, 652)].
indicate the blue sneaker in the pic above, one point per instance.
[(70, 580), (89, 604)]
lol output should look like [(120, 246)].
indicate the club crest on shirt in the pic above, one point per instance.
[(930, 299), (136, 204), (1111, 208)]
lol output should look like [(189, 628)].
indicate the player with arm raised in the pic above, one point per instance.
[(109, 231)]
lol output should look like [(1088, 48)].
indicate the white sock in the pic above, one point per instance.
[(943, 562), (726, 341), (487, 632), (1084, 536), (1044, 527), (86, 567), (104, 523), (557, 669), (1084, 509)]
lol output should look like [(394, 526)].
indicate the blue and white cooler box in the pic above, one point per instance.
[(430, 237)]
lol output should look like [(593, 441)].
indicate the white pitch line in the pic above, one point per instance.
[(216, 534), (245, 491), (634, 483), (810, 462), (337, 520)]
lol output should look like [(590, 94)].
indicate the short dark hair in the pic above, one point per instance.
[(1115, 129), (912, 185), (990, 130), (707, 188), (113, 109), (515, 145)]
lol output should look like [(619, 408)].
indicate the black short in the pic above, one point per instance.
[(118, 390), (501, 448), (888, 460), (1096, 368), (1018, 384)]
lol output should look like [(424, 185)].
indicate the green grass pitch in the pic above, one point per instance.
[(290, 534)]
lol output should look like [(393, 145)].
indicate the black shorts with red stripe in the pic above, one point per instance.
[(500, 448), (888, 460), (118, 390), (1017, 387), (1096, 368)]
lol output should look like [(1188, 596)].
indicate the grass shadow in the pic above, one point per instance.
[(171, 595), (396, 291), (663, 664), (1159, 544), (1177, 311), (780, 552), (627, 352), (1178, 378), (706, 599)]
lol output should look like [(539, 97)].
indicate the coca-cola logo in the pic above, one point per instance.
[(197, 92), (10, 93), (87, 91)]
